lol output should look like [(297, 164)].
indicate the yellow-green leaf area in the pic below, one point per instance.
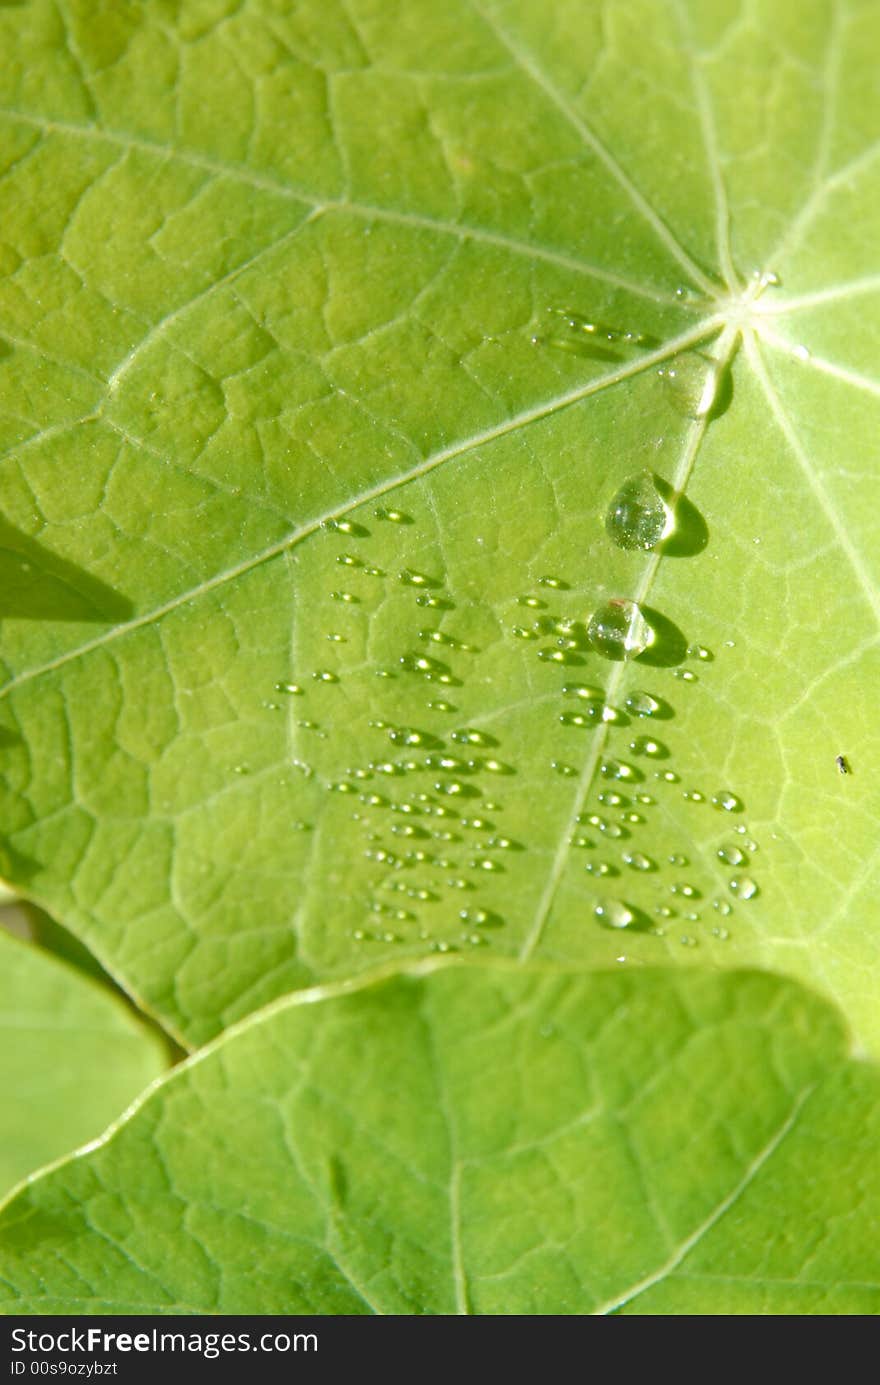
[(328, 337)]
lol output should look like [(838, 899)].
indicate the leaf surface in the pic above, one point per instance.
[(72, 1058), (541, 1141), (274, 419)]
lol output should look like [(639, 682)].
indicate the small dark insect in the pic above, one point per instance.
[(842, 764)]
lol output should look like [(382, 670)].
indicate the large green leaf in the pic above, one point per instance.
[(272, 278), (72, 1057), (541, 1141)]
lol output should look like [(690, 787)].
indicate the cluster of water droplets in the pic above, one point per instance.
[(640, 517)]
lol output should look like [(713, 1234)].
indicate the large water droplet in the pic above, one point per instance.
[(691, 382), (743, 886), (618, 630), (732, 855), (613, 913), (638, 517)]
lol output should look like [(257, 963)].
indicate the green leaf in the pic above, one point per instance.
[(542, 1141), (268, 272), (73, 1057)]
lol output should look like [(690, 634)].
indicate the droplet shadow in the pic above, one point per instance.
[(669, 646), (690, 532)]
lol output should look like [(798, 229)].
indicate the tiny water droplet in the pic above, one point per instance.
[(686, 675), (726, 801), (469, 736), (345, 526), (694, 796), (723, 906), (669, 776), (687, 941), (691, 382), (439, 705), (636, 861), (642, 704), (293, 688), (638, 517), (555, 582), (394, 516), (732, 855), (613, 800), (600, 868), (521, 633), (563, 769), (553, 656), (699, 651), (613, 913), (619, 769), (645, 798), (646, 745), (348, 560), (480, 918), (435, 603), (685, 889), (348, 597), (619, 630), (411, 578), (743, 886), (323, 675), (720, 932), (534, 602), (583, 691), (677, 860)]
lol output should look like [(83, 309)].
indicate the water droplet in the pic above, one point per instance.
[(240, 769), (600, 868), (469, 736), (439, 705), (521, 633), (583, 691), (338, 639), (686, 675), (533, 602), (613, 913), (687, 941), (411, 578), (688, 891), (348, 560), (613, 800), (677, 860), (293, 688), (485, 863), (646, 745), (436, 603), (636, 861), (554, 656), (699, 651), (618, 630), (394, 516), (345, 526), (643, 704), (348, 597), (576, 719), (561, 768), (743, 886), (732, 855), (619, 769), (723, 906), (720, 932), (726, 801), (638, 517), (480, 918), (555, 582), (323, 675), (694, 796), (691, 383)]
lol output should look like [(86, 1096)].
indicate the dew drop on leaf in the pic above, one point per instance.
[(691, 382), (612, 913), (618, 630), (638, 517), (743, 886)]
